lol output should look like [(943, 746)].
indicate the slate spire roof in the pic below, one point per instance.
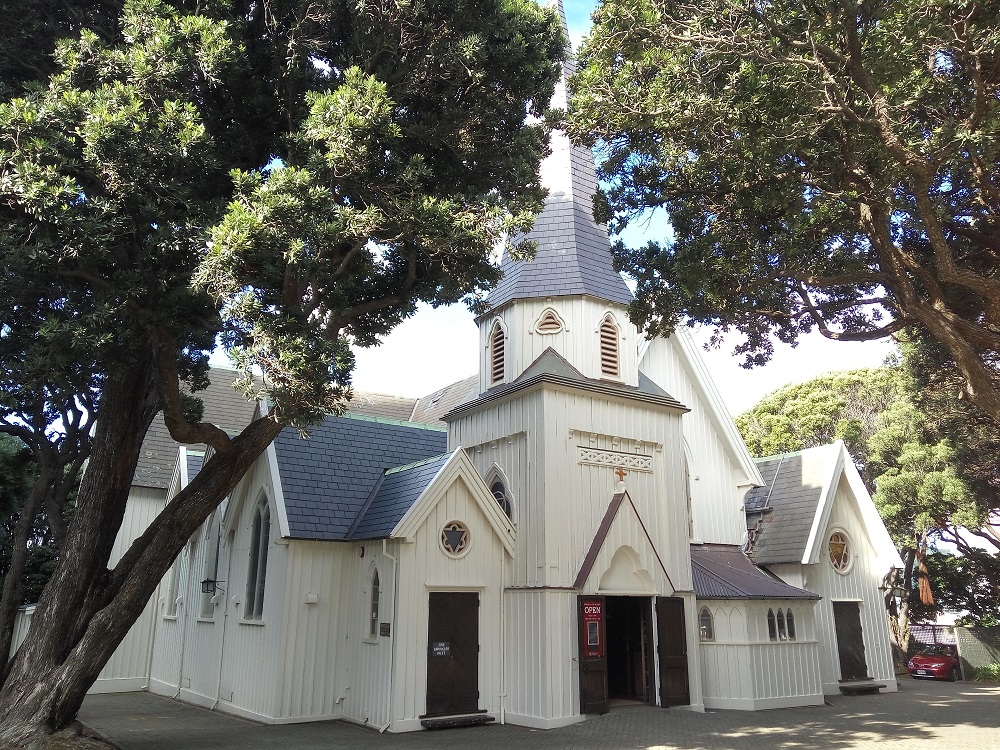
[(574, 256)]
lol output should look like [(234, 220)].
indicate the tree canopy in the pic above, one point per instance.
[(825, 166), (281, 179)]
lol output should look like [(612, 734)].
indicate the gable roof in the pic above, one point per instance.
[(573, 253), (381, 405), (787, 516), (781, 513), (395, 494), (722, 571), (552, 367), (327, 478)]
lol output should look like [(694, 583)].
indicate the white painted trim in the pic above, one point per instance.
[(458, 466), (824, 507), (118, 685), (759, 704), (279, 496), (873, 524), (536, 722), (718, 413)]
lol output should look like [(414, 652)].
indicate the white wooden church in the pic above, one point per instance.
[(578, 527)]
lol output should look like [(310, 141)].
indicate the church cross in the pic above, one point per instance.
[(620, 473)]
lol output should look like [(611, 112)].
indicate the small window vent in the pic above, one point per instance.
[(609, 347), (496, 353), (549, 322)]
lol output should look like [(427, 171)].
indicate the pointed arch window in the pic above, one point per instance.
[(260, 537), (373, 611), (782, 635), (210, 571), (772, 628), (610, 364), (790, 624), (706, 625), (497, 354), (499, 488)]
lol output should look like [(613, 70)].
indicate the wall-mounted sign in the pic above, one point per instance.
[(593, 628), (440, 648), (383, 629)]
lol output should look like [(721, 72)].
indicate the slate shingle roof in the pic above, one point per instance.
[(574, 256), (780, 513), (431, 408), (224, 407), (327, 478), (398, 489), (722, 571), (382, 405)]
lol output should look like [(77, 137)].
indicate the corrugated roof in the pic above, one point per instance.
[(327, 478), (780, 513), (223, 406), (722, 571), (431, 408), (398, 489)]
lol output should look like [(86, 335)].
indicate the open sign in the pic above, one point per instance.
[(593, 628)]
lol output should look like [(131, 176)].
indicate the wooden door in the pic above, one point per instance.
[(452, 653), (593, 655), (671, 636), (850, 640)]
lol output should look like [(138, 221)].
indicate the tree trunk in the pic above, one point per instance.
[(13, 583), (86, 610)]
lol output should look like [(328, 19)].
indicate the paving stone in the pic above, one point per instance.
[(921, 716)]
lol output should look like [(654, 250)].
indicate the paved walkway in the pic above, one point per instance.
[(923, 715)]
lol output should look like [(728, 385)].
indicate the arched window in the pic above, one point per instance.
[(500, 493), (772, 628), (373, 614), (549, 322), (609, 347), (497, 355), (840, 552), (260, 537), (790, 624), (173, 586), (782, 635), (706, 625)]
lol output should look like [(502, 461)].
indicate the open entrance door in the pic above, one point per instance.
[(593, 655), (629, 623), (452, 653), (850, 640), (672, 649)]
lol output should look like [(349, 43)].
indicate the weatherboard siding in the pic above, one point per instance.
[(425, 567), (717, 483), (128, 666), (859, 584), (578, 342)]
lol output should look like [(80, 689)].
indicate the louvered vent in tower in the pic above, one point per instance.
[(609, 347), (549, 322), (496, 353)]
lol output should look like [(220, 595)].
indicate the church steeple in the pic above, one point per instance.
[(568, 300), (573, 255)]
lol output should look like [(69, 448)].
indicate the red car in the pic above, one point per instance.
[(935, 663)]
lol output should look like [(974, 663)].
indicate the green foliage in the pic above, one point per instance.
[(968, 583), (282, 183), (839, 406), (825, 166), (988, 673)]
